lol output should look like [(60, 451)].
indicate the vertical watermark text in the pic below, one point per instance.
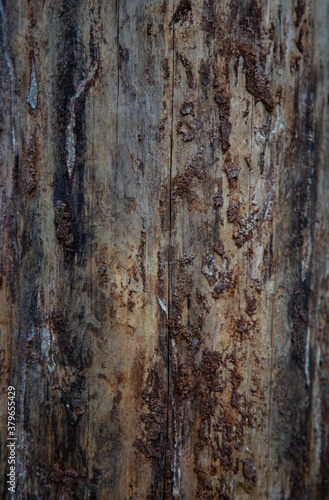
[(11, 439)]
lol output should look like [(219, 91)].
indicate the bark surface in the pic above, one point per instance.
[(164, 248)]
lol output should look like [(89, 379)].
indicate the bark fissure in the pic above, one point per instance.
[(167, 465)]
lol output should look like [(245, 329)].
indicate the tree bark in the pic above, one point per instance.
[(164, 248)]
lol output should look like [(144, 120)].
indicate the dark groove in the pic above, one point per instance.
[(167, 441)]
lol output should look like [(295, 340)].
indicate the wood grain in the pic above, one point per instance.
[(164, 248)]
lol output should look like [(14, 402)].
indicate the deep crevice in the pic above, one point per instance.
[(167, 441)]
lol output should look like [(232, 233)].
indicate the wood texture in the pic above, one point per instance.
[(164, 248)]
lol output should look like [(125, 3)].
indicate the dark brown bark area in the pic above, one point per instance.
[(164, 248)]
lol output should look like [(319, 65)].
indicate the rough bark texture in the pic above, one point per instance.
[(164, 248)]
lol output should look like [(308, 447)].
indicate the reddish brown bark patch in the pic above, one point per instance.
[(64, 228), (256, 82), (30, 158), (222, 99), (232, 172), (182, 11)]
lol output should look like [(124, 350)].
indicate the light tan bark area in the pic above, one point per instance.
[(164, 248)]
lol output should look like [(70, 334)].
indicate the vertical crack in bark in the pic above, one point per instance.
[(117, 110), (313, 346), (71, 137), (167, 441), (89, 433), (270, 391), (275, 252)]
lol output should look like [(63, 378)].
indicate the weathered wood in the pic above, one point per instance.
[(164, 250)]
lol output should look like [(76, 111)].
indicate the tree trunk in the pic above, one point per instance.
[(164, 248)]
